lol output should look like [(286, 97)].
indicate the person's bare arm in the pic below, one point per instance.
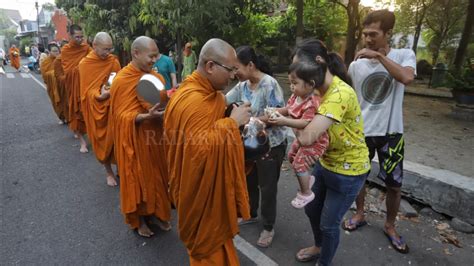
[(404, 75), (314, 130), (280, 120), (173, 80)]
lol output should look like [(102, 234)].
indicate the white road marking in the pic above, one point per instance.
[(24, 75), (10, 75), (37, 81), (252, 252)]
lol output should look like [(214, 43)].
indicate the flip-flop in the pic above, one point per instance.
[(305, 257), (350, 227), (265, 239), (396, 244)]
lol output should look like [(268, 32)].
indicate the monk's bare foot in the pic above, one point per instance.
[(83, 149), (163, 225), (60, 122), (111, 182), (144, 230)]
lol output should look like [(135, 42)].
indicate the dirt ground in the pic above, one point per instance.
[(432, 136)]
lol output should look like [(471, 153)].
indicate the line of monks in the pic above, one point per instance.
[(188, 156)]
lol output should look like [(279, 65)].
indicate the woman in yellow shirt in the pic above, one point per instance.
[(341, 172)]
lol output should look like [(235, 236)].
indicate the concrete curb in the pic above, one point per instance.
[(445, 191), (429, 92)]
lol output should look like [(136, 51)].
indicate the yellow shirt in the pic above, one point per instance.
[(347, 153)]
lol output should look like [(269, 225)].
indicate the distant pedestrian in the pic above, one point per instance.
[(189, 61), (165, 66), (14, 54)]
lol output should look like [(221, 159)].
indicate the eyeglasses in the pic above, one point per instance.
[(110, 50), (228, 68)]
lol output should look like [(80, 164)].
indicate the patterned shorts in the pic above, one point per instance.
[(390, 150)]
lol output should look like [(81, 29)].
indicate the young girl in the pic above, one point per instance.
[(300, 110)]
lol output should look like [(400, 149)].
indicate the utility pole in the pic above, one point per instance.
[(38, 22)]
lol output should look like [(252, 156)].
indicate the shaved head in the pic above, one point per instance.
[(144, 53), (102, 44), (101, 38), (215, 50), (143, 42), (218, 63)]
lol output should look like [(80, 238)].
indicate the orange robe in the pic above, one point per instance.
[(14, 55), (139, 151), (96, 113), (71, 55), (47, 71), (63, 93), (206, 171)]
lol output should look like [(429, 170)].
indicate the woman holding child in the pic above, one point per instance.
[(341, 171)]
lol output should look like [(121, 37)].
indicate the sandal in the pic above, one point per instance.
[(397, 244), (266, 238), (350, 225), (301, 200), (252, 220), (304, 256)]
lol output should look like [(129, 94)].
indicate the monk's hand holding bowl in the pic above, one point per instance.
[(241, 114), (156, 111), (104, 93)]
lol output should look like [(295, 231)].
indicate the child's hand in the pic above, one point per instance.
[(277, 119)]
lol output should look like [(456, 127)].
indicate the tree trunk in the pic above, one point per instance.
[(419, 23), (299, 20), (352, 27), (466, 34)]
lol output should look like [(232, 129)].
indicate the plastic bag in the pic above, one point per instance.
[(255, 138)]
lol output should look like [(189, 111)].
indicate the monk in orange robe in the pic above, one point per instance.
[(63, 93), (205, 159), (95, 99), (71, 54), (138, 144), (49, 78), (14, 55)]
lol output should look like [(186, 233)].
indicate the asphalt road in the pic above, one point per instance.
[(57, 210)]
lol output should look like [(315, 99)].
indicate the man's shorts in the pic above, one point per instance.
[(390, 150)]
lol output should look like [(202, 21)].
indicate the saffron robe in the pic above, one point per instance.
[(63, 93), (71, 55), (47, 72), (14, 55), (94, 72), (139, 151), (206, 169)]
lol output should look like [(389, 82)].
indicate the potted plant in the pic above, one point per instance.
[(462, 84)]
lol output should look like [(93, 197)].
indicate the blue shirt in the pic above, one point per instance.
[(267, 94), (165, 67)]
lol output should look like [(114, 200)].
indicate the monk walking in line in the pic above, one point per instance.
[(14, 54), (138, 144), (205, 159), (94, 70), (71, 54), (49, 78)]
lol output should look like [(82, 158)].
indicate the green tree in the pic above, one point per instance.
[(411, 16), (442, 32)]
